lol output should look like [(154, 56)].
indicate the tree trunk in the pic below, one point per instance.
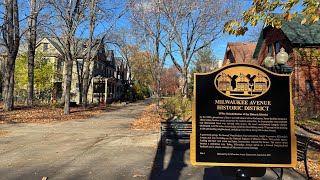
[(67, 88), (86, 83), (11, 36), (184, 83), (158, 81), (1, 90), (9, 84), (80, 93), (31, 51), (80, 80)]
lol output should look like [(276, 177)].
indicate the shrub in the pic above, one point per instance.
[(307, 108), (137, 92), (176, 107), (57, 105)]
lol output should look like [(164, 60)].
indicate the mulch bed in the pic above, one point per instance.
[(150, 119)]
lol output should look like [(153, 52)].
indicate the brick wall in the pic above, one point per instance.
[(306, 70)]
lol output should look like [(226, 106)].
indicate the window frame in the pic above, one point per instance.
[(45, 47), (270, 49), (309, 85), (277, 46)]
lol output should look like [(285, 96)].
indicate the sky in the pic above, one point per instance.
[(219, 46)]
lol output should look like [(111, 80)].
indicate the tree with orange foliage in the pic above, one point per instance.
[(170, 80)]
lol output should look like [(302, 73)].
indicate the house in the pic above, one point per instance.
[(239, 52), (260, 83), (104, 82), (224, 82), (242, 82), (302, 43)]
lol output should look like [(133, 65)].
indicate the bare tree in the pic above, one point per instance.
[(11, 38), (64, 23), (32, 40), (147, 18), (194, 24), (254, 32), (100, 12)]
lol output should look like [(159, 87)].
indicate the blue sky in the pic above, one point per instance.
[(219, 46)]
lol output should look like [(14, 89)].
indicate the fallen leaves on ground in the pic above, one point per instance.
[(2, 133), (149, 119), (47, 114), (313, 125), (313, 164)]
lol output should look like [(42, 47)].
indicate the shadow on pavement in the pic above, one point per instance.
[(214, 173), (163, 169), (176, 163)]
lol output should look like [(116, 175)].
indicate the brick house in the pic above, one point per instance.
[(302, 43), (239, 52)]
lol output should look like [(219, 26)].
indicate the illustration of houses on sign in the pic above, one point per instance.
[(260, 83), (224, 83), (242, 84)]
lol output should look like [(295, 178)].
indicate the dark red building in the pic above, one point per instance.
[(302, 43)]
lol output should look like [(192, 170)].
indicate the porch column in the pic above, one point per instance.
[(106, 90)]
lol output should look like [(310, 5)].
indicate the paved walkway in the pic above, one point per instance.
[(102, 147)]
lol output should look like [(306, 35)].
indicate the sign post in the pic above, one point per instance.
[(243, 117)]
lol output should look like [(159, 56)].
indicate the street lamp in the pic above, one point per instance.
[(278, 65)]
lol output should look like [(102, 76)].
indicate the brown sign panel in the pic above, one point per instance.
[(243, 116)]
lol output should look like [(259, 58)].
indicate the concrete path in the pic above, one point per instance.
[(102, 147)]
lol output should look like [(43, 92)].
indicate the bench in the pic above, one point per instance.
[(302, 149), (176, 132)]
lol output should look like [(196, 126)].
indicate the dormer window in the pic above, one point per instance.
[(45, 47)]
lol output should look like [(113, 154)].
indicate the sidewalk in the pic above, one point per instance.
[(103, 147), (173, 163)]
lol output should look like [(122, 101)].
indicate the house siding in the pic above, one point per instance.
[(98, 67)]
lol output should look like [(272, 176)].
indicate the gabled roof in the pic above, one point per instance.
[(241, 51), (242, 76), (297, 33), (80, 43), (56, 44)]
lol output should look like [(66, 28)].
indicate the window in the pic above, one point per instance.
[(45, 47), (277, 46), (309, 86), (270, 49), (59, 65), (45, 60), (80, 66)]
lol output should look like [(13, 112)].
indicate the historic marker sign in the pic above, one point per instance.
[(243, 116)]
